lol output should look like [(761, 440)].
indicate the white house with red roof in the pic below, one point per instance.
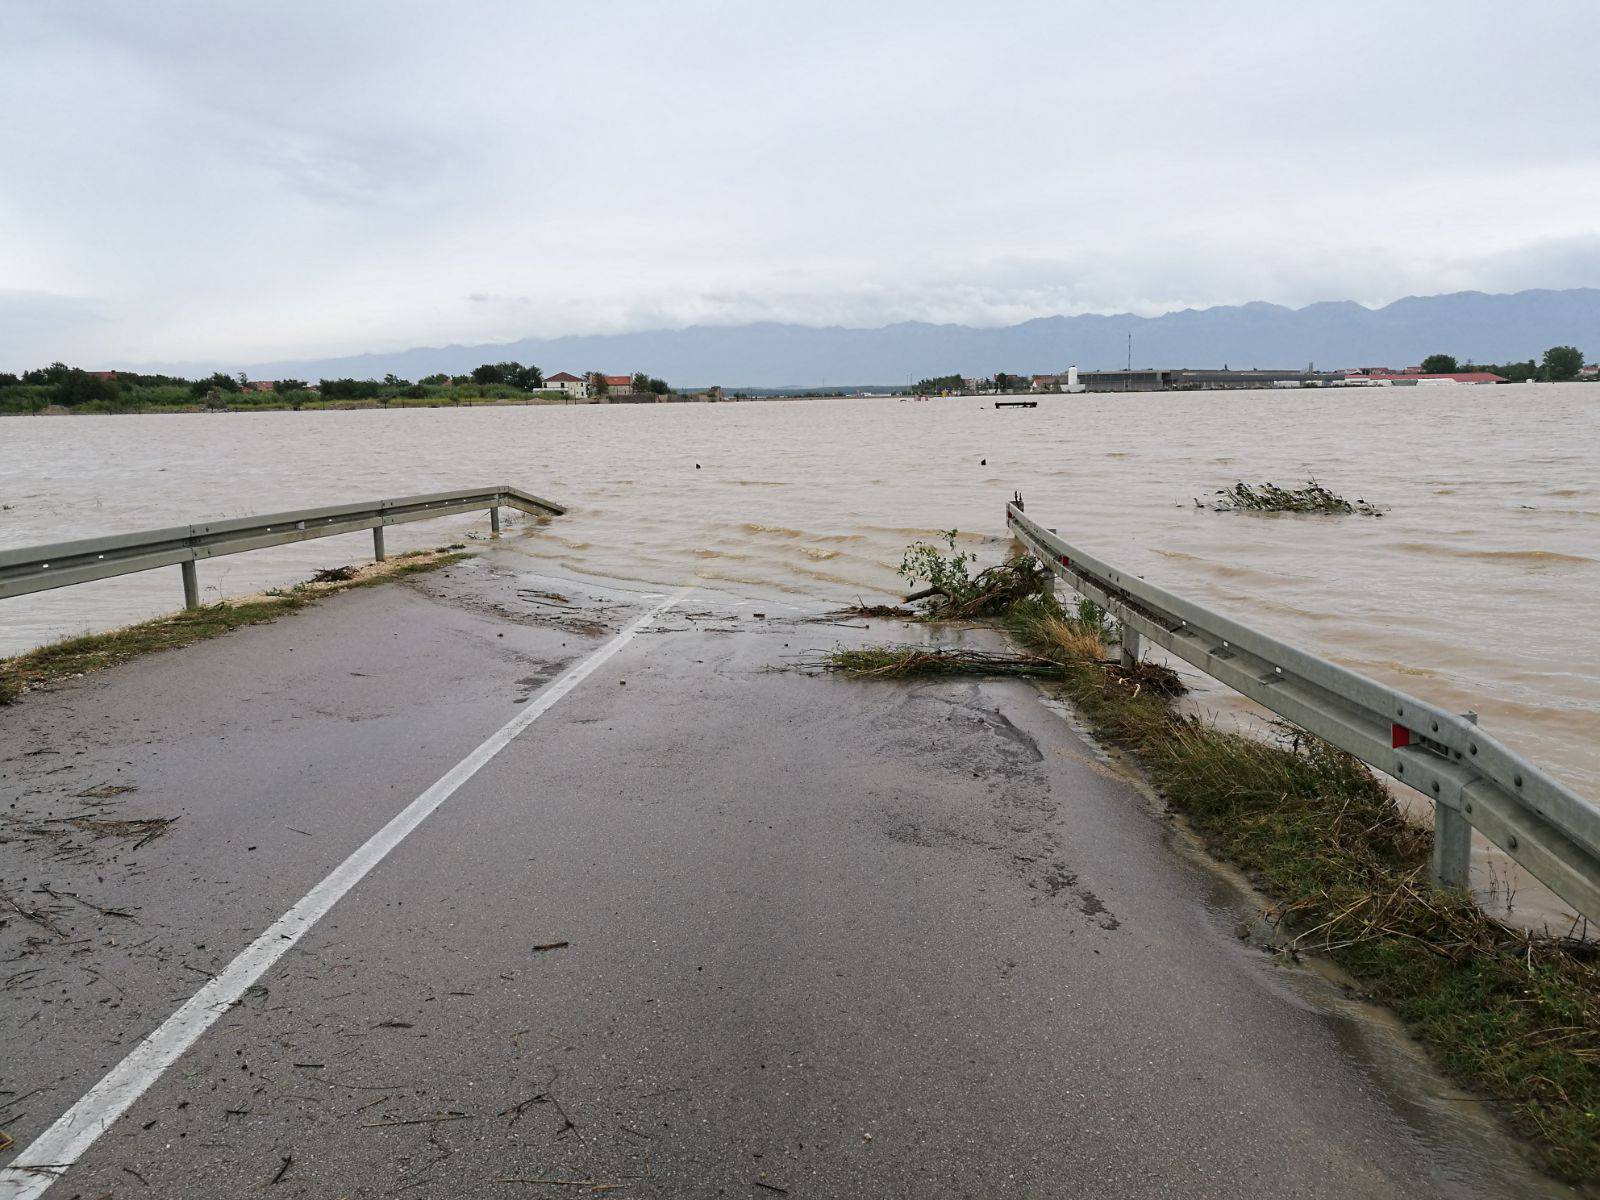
[(568, 384)]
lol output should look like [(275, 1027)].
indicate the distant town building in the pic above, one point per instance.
[(618, 384), (1066, 381), (568, 384), (1376, 376)]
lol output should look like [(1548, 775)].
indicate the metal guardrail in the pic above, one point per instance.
[(39, 568), (1474, 781)]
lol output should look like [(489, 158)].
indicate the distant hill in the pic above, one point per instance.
[(1470, 325)]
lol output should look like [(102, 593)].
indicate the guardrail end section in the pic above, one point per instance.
[(528, 502)]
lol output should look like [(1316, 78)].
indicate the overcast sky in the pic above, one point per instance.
[(203, 181)]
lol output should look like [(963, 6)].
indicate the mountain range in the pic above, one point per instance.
[(1472, 326)]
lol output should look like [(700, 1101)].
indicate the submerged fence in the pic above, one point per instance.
[(1473, 780), (39, 568)]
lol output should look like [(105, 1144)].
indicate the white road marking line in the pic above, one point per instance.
[(61, 1145)]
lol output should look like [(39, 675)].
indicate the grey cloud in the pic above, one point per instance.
[(248, 183), (35, 318)]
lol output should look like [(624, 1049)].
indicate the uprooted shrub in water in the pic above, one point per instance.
[(954, 593), (1269, 497)]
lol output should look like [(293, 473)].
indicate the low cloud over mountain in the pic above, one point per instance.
[(1469, 325)]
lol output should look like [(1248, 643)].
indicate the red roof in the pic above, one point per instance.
[(562, 377), (1458, 376), (618, 380)]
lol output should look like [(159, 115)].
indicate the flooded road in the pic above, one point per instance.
[(670, 918), (1476, 590)]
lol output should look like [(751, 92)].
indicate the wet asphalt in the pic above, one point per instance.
[(712, 926)]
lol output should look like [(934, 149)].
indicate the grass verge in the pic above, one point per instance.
[(96, 651), (1514, 1016)]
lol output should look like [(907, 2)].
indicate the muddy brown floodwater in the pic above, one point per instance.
[(1477, 589)]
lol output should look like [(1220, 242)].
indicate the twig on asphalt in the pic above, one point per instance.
[(591, 1184), (452, 1116)]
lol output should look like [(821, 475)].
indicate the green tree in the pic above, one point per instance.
[(1439, 364), (80, 387), (7, 379), (641, 382), (597, 384), (290, 385), (659, 387), (527, 378), (54, 373), (1562, 362), (349, 389), (218, 382), (435, 380), (487, 373)]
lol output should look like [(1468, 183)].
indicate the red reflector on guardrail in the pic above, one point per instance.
[(1065, 561), (1399, 736)]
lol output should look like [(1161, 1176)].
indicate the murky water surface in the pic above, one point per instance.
[(1477, 590)]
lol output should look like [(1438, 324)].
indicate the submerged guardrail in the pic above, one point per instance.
[(39, 568), (1474, 781)]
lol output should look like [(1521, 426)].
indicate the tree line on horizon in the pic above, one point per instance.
[(107, 391), (1559, 365), (110, 391)]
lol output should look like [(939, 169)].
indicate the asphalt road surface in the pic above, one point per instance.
[(703, 925)]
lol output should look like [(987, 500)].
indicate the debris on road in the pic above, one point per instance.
[(885, 662), (145, 829), (336, 574), (106, 790), (434, 1120)]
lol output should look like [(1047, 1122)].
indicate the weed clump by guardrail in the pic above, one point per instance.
[(1512, 1014), (953, 593), (1269, 497)]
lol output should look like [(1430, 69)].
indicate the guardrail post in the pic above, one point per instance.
[(1452, 841), (1128, 638), (377, 543), (1452, 847), (494, 519), (191, 584)]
